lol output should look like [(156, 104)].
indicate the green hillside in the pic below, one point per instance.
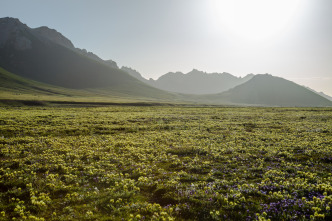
[(268, 90), (11, 83), (14, 87)]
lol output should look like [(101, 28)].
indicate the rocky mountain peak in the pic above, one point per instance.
[(12, 22), (196, 72), (112, 64), (12, 28), (54, 36)]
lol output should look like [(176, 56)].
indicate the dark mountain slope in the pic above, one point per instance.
[(272, 91), (14, 84), (29, 55), (9, 81), (44, 55)]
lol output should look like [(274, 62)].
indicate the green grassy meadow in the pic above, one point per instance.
[(69, 162)]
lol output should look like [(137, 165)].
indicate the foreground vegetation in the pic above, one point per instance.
[(165, 163)]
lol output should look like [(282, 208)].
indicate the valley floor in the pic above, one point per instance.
[(165, 163)]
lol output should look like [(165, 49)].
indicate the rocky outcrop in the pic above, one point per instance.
[(13, 31), (54, 36), (112, 64), (134, 74)]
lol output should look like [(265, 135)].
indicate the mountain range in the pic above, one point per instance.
[(42, 59), (194, 82), (269, 90)]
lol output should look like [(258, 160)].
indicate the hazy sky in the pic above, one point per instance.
[(286, 38)]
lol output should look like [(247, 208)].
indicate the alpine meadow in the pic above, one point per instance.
[(165, 163), (220, 110)]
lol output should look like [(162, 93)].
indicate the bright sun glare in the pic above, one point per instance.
[(254, 19)]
